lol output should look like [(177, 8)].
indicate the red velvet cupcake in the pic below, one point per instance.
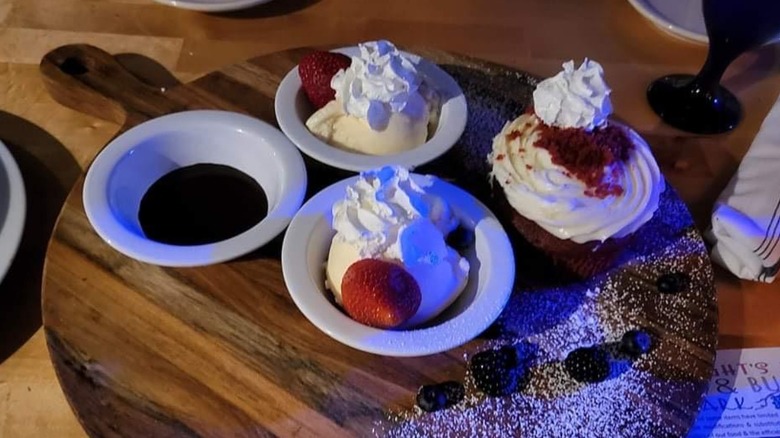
[(572, 183)]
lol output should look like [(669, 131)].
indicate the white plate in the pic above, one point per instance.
[(680, 18), (489, 286), (13, 208), (125, 169), (293, 109), (212, 5)]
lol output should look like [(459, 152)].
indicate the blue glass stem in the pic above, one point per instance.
[(707, 82)]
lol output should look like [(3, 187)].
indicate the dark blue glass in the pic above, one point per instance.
[(699, 103)]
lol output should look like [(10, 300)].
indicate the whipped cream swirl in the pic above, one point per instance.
[(382, 205), (574, 98), (547, 194), (382, 81)]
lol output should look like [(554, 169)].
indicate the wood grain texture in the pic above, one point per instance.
[(222, 350), (269, 376), (534, 35)]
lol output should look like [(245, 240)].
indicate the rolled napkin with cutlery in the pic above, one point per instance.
[(746, 217)]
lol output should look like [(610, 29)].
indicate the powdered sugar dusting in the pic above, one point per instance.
[(548, 316)]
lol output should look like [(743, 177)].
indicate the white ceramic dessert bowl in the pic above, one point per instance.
[(122, 173), (293, 109), (681, 19), (13, 209), (212, 5), (489, 286)]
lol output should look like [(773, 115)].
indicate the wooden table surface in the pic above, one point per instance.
[(54, 144)]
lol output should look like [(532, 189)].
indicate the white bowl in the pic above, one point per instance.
[(122, 173), (489, 286), (293, 109), (212, 5), (682, 19), (13, 208)]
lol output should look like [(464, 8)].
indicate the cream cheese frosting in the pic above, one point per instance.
[(386, 215), (547, 194)]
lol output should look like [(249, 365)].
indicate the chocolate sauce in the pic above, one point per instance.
[(201, 204)]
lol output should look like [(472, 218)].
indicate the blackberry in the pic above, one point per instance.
[(587, 365), (496, 372), (673, 282), (494, 331), (460, 238), (432, 398), (636, 343)]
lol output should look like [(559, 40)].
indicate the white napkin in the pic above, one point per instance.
[(746, 218)]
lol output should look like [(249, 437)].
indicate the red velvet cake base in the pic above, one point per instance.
[(584, 260)]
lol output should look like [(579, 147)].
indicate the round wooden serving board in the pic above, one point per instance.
[(222, 350)]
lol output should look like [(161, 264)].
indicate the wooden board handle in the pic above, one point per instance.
[(90, 80)]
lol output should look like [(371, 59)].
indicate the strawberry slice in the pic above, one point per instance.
[(316, 69), (379, 293)]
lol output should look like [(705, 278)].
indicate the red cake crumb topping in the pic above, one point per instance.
[(586, 155)]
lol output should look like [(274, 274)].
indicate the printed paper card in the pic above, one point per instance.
[(744, 396)]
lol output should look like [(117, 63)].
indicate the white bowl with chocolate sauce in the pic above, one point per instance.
[(194, 188)]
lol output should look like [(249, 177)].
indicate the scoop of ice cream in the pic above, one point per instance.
[(387, 216), (333, 126), (574, 98)]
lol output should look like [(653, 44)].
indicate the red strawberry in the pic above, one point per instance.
[(379, 293), (316, 70)]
